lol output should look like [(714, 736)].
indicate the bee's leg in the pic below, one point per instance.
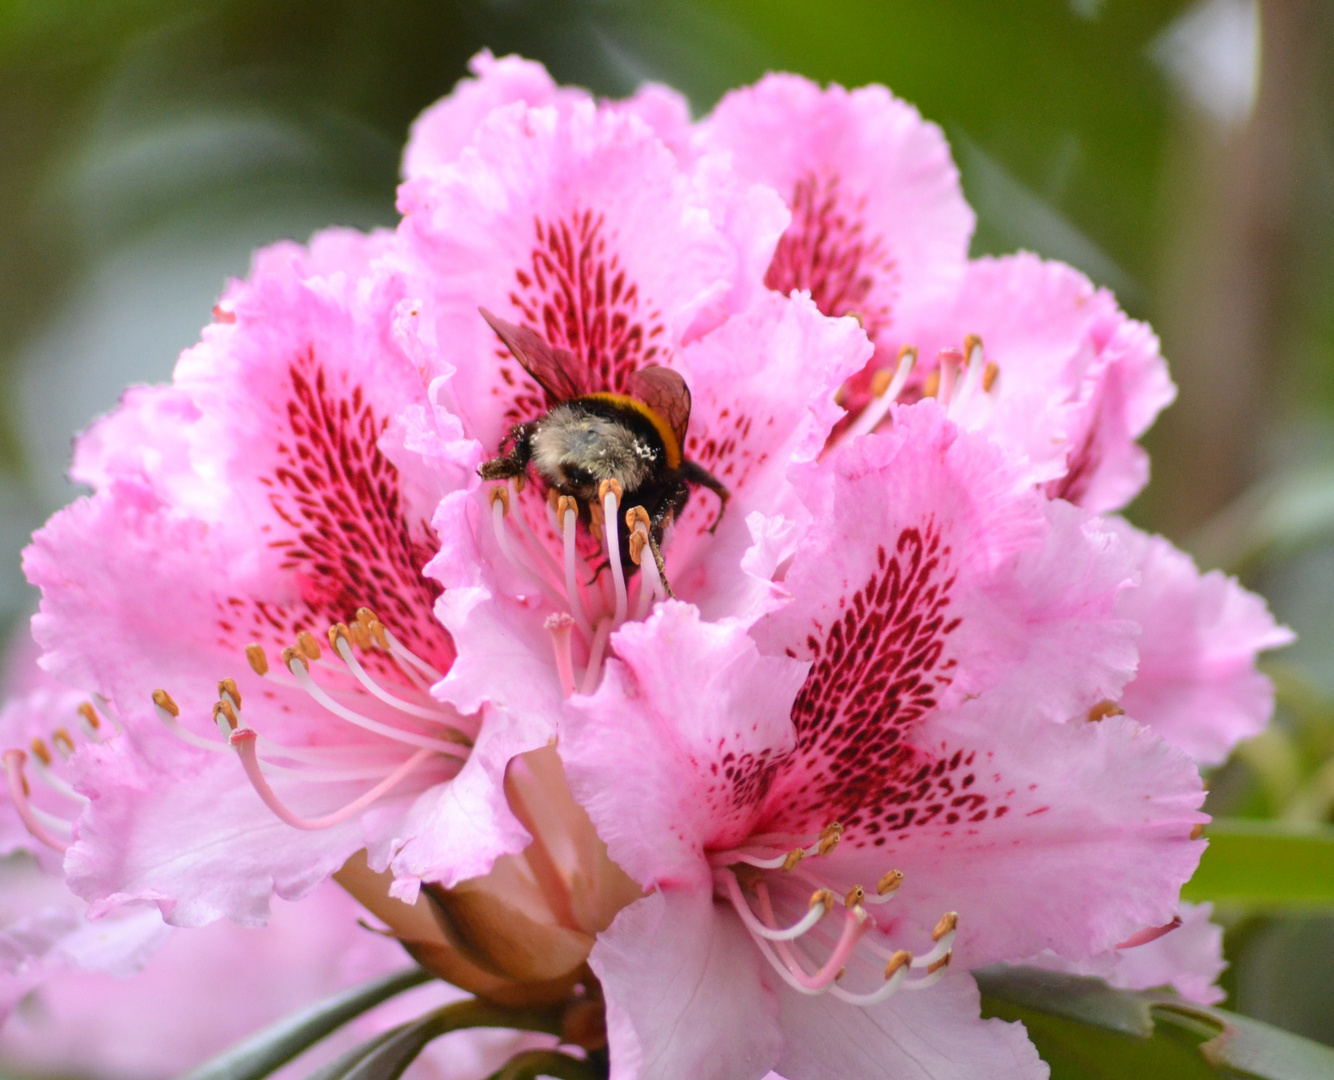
[(514, 465), (698, 474), (654, 536)]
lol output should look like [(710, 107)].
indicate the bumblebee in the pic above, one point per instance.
[(587, 438)]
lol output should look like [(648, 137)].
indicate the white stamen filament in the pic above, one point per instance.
[(595, 652), (243, 742), (559, 626), (972, 377), (412, 738), (803, 925), (435, 714), (58, 784), (185, 734), (567, 520), (611, 537), (879, 407), (47, 828)]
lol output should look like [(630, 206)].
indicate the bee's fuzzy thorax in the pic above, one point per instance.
[(570, 439)]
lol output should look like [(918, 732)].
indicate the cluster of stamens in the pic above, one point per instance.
[(956, 382), (792, 929), (48, 825), (589, 604), (429, 733)]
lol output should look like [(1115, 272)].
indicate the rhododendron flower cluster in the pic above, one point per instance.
[(916, 703)]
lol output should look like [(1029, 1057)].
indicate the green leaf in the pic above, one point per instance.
[(534, 1063), (279, 1043), (1266, 864), (385, 1056), (1086, 1030)]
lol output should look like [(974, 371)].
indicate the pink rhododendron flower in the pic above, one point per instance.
[(896, 694)]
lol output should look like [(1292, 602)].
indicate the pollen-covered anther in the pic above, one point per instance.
[(948, 923), (793, 857), (309, 646), (565, 504), (638, 542), (889, 883), (940, 964), (636, 517), (361, 637), (972, 348), (89, 718), (338, 632), (613, 486), (1104, 709), (856, 896), (292, 656), (830, 835), (225, 717), (40, 751), (825, 897), (255, 656), (499, 493), (228, 691), (900, 960), (163, 700), (63, 742), (374, 627), (1197, 830), (990, 373)]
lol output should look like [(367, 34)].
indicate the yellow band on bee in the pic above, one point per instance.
[(664, 430)]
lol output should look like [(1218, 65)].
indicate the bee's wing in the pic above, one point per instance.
[(558, 371), (666, 393)]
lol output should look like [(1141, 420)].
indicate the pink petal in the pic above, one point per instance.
[(936, 1034), (580, 224), (1197, 684), (442, 131), (440, 134), (763, 386), (684, 992), (1079, 382), (675, 750), (880, 227), (1070, 837), (1189, 959)]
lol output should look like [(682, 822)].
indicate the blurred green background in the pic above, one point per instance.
[(1181, 153)]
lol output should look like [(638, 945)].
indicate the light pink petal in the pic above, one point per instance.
[(578, 223), (457, 830), (763, 389), (880, 227), (272, 510), (1197, 684), (935, 574), (196, 839), (684, 992), (673, 753), (87, 1022), (935, 1034), (1071, 837), (1188, 959), (441, 132), (1078, 381), (439, 135)]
